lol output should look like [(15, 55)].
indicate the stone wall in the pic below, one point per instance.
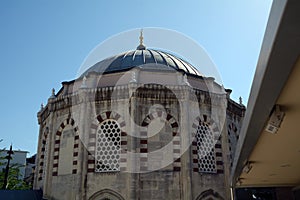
[(158, 157)]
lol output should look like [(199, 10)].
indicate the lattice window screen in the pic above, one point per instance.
[(108, 146), (206, 149)]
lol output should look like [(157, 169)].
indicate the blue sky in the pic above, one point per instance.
[(43, 43)]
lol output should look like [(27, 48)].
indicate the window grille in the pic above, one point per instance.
[(108, 146), (206, 149)]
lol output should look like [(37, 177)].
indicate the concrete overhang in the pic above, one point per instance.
[(274, 159)]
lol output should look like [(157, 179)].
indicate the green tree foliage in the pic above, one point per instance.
[(14, 181)]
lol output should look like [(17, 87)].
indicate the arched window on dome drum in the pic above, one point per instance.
[(108, 146), (206, 149)]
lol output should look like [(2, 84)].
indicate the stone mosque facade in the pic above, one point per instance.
[(144, 124)]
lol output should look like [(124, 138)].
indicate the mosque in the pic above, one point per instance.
[(143, 124)]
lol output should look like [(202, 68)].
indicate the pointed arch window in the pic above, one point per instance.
[(66, 148)]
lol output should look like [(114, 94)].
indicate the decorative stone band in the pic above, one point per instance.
[(92, 139), (58, 134), (42, 164), (144, 141), (75, 152), (214, 154), (219, 157)]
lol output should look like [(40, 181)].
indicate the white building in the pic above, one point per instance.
[(18, 158)]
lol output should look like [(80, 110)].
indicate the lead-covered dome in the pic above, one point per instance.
[(146, 59)]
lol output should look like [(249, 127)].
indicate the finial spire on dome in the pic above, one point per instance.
[(141, 37), (141, 46)]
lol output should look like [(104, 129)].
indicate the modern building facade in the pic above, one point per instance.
[(267, 155)]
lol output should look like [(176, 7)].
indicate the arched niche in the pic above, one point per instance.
[(106, 194), (209, 194)]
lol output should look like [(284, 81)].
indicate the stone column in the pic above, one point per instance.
[(185, 174)]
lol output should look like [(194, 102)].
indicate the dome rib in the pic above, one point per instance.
[(163, 58), (143, 59), (179, 64), (172, 58), (133, 57), (184, 65), (153, 57)]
